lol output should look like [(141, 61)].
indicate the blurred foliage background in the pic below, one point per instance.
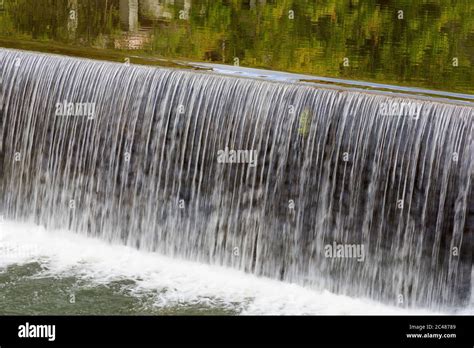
[(405, 42)]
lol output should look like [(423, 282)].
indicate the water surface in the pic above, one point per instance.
[(420, 43)]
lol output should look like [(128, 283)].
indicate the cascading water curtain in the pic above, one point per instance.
[(359, 193)]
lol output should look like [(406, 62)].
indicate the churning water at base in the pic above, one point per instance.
[(45, 268), (144, 157)]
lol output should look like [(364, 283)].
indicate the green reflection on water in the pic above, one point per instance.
[(26, 290), (417, 47)]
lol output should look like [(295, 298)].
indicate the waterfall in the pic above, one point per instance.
[(278, 179)]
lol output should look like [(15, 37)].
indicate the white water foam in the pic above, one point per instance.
[(67, 253)]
